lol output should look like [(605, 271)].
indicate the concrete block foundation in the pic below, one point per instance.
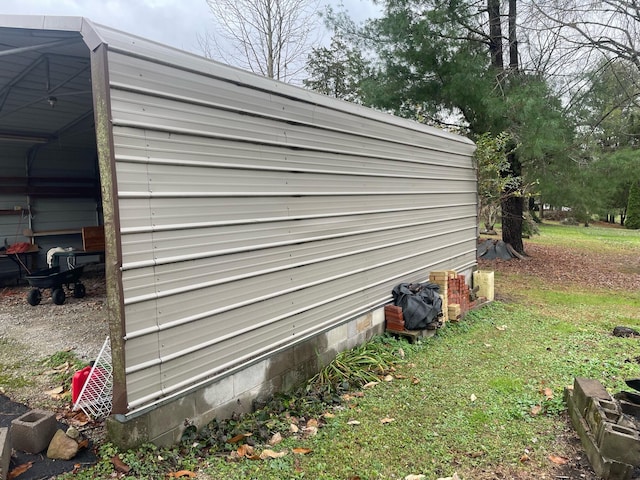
[(236, 392)]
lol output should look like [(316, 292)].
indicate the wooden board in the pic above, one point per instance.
[(93, 239)]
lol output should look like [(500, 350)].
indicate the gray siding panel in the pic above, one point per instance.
[(255, 214)]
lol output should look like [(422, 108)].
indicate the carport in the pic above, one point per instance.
[(252, 228)]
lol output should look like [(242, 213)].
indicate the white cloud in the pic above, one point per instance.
[(173, 22)]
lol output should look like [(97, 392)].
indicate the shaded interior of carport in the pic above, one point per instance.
[(49, 177)]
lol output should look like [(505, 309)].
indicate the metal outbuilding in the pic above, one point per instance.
[(252, 228)]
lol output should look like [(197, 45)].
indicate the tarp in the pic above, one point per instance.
[(494, 249)]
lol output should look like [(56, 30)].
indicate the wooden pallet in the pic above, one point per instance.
[(412, 335)]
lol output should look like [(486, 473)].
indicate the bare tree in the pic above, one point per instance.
[(268, 37), (609, 26)]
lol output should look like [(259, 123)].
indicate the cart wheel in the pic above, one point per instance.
[(34, 297), (79, 291), (58, 296)]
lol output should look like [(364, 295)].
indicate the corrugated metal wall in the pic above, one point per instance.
[(255, 214)]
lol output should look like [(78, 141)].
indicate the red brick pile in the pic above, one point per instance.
[(455, 295)]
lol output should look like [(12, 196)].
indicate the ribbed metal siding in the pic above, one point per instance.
[(252, 218)]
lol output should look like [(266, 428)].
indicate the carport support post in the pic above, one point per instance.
[(113, 250)]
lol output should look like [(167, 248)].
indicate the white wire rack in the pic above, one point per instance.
[(96, 396)]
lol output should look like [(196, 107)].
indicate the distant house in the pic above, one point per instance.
[(253, 229)]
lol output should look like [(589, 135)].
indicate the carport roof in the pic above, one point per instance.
[(45, 77)]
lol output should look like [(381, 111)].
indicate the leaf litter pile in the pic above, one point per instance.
[(559, 266)]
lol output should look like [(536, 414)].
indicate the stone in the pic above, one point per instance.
[(62, 447), (72, 432)]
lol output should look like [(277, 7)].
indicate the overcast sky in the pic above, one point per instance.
[(173, 22)]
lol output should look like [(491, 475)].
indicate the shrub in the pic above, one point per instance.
[(633, 207)]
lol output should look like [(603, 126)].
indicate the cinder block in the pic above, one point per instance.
[(5, 452), (586, 388), (33, 431), (597, 416), (619, 443), (605, 468)]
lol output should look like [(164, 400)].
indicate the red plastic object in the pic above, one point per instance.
[(78, 381)]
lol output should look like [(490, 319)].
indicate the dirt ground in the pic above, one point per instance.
[(31, 334)]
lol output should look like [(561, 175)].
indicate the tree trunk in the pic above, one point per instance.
[(513, 41), (512, 202), (495, 35), (512, 222), (512, 209)]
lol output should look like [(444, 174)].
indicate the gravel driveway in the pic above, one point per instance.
[(29, 335)]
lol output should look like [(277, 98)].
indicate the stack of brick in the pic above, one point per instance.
[(459, 293), (393, 318), (441, 278), (454, 291)]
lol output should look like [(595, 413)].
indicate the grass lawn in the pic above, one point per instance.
[(483, 398)]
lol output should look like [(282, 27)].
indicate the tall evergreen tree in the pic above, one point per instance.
[(633, 207), (336, 70), (448, 56)]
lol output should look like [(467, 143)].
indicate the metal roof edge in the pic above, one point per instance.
[(85, 27)]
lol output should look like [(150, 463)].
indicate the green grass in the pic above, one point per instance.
[(470, 400), (608, 239)]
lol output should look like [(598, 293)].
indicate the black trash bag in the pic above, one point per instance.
[(420, 302)]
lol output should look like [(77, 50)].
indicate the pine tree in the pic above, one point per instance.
[(633, 207)]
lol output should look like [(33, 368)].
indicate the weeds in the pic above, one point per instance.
[(351, 369)]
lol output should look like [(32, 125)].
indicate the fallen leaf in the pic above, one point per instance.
[(536, 409), (275, 439), (401, 352), (399, 376), (301, 451), (84, 443), (312, 423), (183, 473), (477, 454), (119, 465), (387, 420), (328, 415), (415, 380), (388, 378), (293, 428), (411, 365), (19, 470), (310, 431), (415, 477), (353, 422), (266, 454), (524, 458), (245, 451), (558, 460), (473, 397), (502, 328), (237, 438), (55, 392), (454, 477), (370, 384), (548, 393)]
